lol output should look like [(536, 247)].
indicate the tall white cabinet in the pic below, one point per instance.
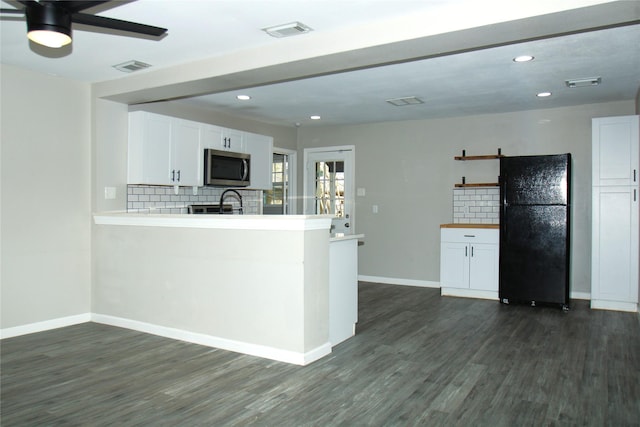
[(615, 234)]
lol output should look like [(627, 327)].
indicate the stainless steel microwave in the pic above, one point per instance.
[(226, 169)]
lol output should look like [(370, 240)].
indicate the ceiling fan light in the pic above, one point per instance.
[(48, 25), (49, 38)]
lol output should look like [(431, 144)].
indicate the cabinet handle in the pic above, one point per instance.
[(472, 251), (634, 175), (634, 194), (466, 251), (173, 175), (178, 175), (469, 235)]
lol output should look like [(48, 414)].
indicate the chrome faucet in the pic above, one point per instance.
[(221, 211)]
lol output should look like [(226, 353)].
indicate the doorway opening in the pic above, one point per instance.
[(329, 184)]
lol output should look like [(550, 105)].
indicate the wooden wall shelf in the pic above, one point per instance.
[(483, 157), (479, 184)]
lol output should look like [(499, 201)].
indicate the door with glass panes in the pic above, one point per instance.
[(329, 186)]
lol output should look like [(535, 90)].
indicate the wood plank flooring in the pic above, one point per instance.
[(417, 359)]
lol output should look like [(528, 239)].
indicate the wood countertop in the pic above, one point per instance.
[(489, 226)]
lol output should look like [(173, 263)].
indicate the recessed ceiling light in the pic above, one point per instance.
[(243, 97), (523, 58), (543, 94), (315, 117)]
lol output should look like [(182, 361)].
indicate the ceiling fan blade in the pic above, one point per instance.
[(12, 11), (77, 6), (117, 24)]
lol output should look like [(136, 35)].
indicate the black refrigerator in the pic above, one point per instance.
[(535, 195)]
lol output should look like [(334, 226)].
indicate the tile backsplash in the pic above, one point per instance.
[(476, 205), (161, 199)]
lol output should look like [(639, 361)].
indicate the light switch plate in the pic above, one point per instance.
[(109, 193), (360, 192)]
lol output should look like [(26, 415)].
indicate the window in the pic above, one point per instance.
[(329, 196)]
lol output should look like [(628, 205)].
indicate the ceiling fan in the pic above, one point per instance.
[(49, 21)]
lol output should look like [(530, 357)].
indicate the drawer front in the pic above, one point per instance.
[(470, 235)]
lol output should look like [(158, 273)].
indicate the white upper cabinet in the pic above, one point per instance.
[(149, 159), (220, 138), (186, 155), (615, 150), (261, 149), (163, 150), (233, 140)]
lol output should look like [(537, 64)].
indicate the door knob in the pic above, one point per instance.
[(346, 225)]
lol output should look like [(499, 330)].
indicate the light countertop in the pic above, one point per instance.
[(488, 226)]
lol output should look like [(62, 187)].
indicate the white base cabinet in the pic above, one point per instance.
[(469, 262), (343, 289), (615, 249)]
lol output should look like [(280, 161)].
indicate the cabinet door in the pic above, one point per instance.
[(615, 150), (454, 265), (211, 137), (614, 264), (483, 267), (187, 156), (232, 140), (261, 149), (149, 149)]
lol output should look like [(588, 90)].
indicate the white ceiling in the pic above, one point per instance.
[(456, 55)]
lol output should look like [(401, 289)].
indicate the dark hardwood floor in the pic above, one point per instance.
[(417, 359)]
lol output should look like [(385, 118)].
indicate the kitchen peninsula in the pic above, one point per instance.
[(253, 284)]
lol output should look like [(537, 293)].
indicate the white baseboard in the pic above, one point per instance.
[(46, 325), (428, 284), (580, 295), (217, 342), (614, 305), (396, 281), (469, 293)]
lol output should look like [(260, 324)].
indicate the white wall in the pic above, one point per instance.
[(407, 169), (46, 196)]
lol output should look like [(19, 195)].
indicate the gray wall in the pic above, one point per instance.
[(408, 170), (46, 196)]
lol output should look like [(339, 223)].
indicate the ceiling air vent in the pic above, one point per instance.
[(287, 30), (409, 100), (131, 66), (593, 81)]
